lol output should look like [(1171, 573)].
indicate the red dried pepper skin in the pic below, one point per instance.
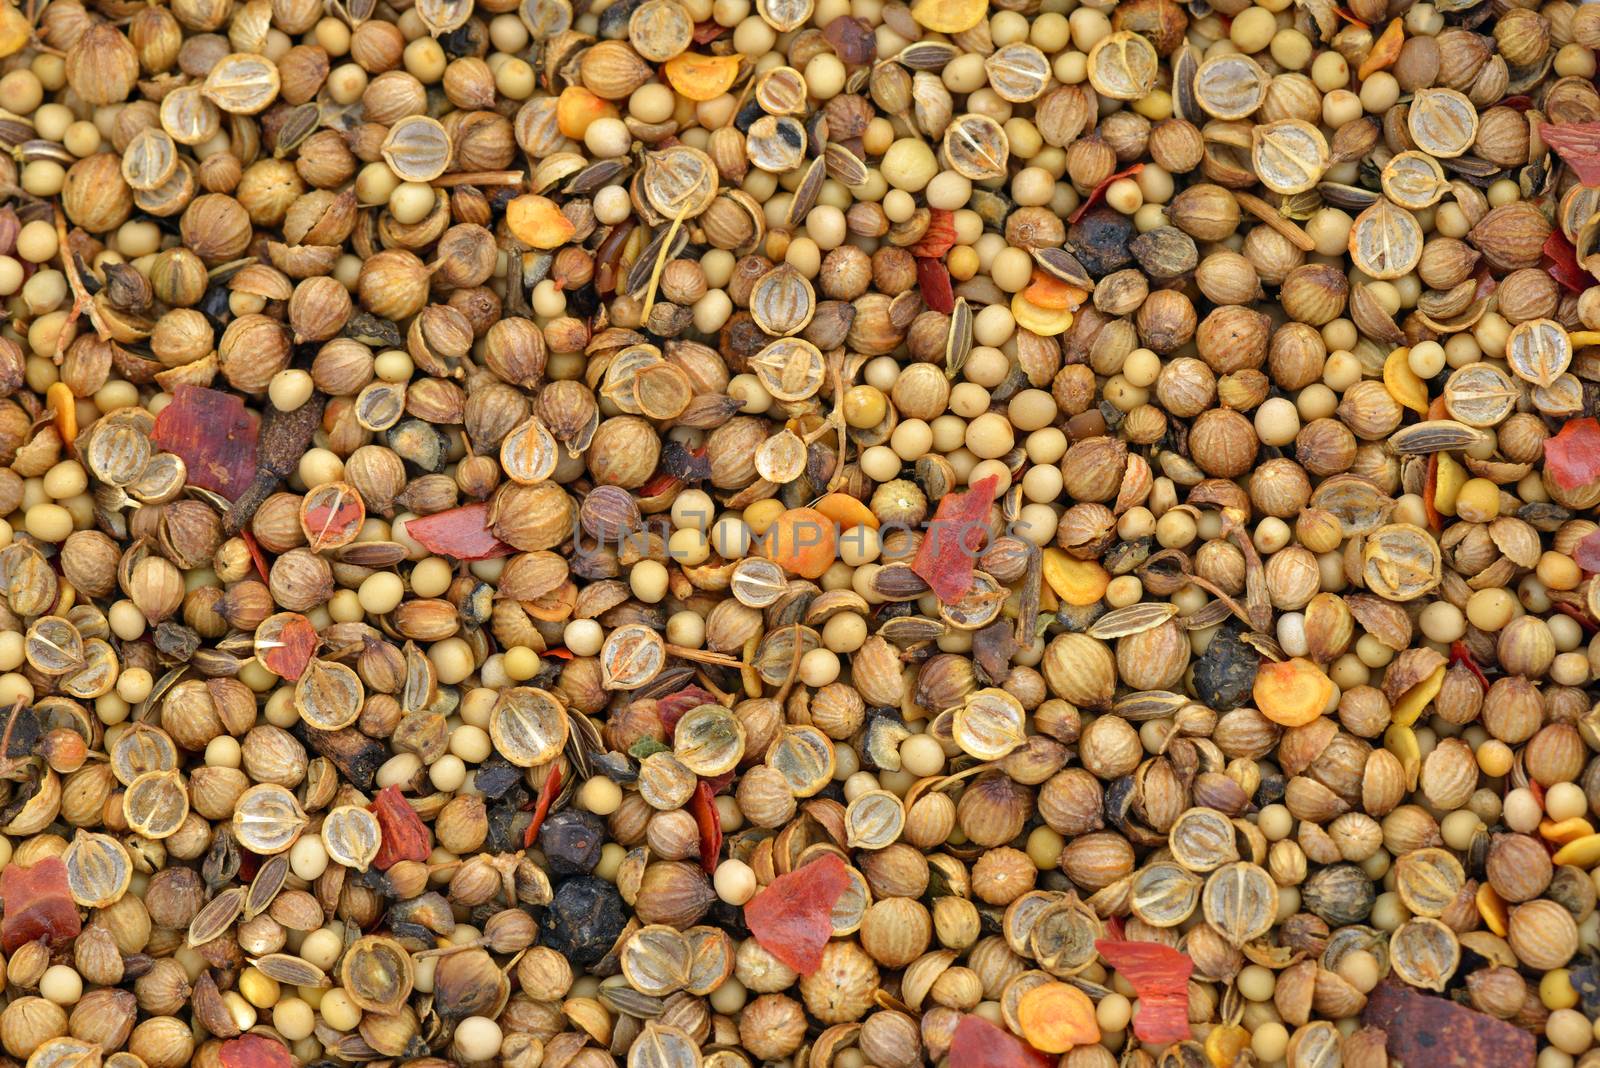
[(1460, 654), (38, 904), (1573, 456), (541, 808), (940, 236), (1578, 145), (254, 1051), (403, 835), (1099, 192), (462, 533), (709, 820), (298, 643), (977, 1043), (934, 279), (1562, 263), (1160, 978), (949, 550), (793, 917), (214, 435), (1432, 1032), (673, 707), (257, 557), (1587, 552)]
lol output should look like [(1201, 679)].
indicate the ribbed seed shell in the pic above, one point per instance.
[(1241, 902)]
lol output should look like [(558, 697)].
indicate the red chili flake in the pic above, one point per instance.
[(403, 834), (1430, 489), (934, 278), (704, 806), (1566, 608), (671, 708), (852, 39), (1460, 654), (249, 864), (707, 31), (1099, 192), (1160, 978), (1578, 144), (793, 917), (659, 483), (1587, 552), (1573, 456), (941, 235), (214, 436), (257, 557), (541, 808), (1561, 263), (559, 652), (332, 519), (977, 1043), (459, 532), (254, 1051), (949, 550), (296, 643), (1487, 283), (1431, 1032), (38, 904), (1519, 103)]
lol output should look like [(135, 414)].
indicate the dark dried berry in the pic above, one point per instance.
[(1100, 241), (1224, 675), (571, 841), (584, 920)]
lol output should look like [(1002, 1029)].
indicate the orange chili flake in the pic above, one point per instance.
[(541, 808)]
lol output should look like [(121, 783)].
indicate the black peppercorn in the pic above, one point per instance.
[(1224, 675), (1100, 241), (584, 920)]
